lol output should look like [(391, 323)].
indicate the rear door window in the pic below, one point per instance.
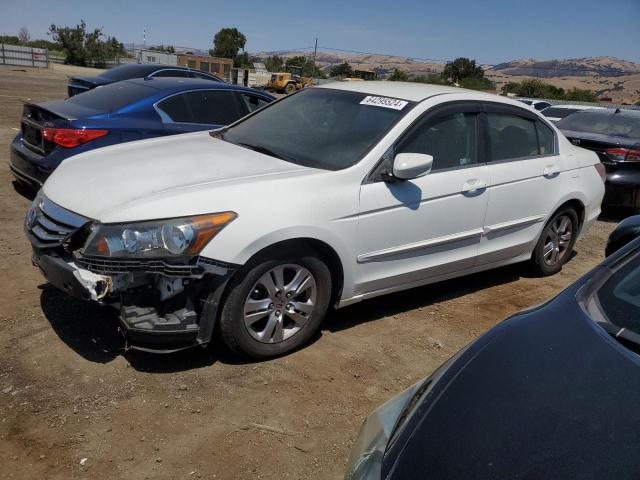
[(175, 109), (512, 136), (215, 107)]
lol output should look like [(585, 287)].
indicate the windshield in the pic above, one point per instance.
[(555, 112), (613, 124), (128, 71), (319, 127)]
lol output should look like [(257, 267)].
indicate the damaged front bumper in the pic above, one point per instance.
[(158, 312)]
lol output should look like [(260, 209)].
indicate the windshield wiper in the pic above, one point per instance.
[(623, 335), (261, 149)]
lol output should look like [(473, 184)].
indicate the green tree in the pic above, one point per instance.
[(227, 43), (82, 47), (534, 88), (581, 95), (309, 68), (462, 68), (398, 75), (341, 70), (274, 63), (477, 83), (433, 79), (163, 49)]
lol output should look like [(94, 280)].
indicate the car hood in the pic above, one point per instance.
[(164, 177), (547, 394)]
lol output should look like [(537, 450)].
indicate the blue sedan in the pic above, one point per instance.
[(123, 112)]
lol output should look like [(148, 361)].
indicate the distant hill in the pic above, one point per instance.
[(383, 64), (576, 67)]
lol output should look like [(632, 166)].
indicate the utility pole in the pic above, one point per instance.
[(315, 51), (144, 37)]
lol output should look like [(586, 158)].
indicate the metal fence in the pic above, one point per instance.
[(105, 64), (23, 56)]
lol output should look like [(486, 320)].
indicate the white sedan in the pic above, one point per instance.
[(329, 196)]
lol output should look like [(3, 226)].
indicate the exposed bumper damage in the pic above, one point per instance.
[(158, 312)]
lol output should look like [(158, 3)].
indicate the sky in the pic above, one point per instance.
[(490, 31)]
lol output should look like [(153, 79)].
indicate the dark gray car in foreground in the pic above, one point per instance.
[(550, 393)]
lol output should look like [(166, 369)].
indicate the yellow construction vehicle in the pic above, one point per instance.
[(288, 81)]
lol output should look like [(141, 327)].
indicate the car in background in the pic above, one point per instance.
[(555, 113), (127, 72), (329, 196), (122, 112), (550, 393), (615, 136), (536, 104)]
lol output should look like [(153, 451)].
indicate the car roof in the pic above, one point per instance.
[(579, 107), (412, 91), (624, 112), (179, 84)]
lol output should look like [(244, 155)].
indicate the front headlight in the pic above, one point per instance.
[(156, 239)]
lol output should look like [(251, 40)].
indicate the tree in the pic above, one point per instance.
[(227, 43), (84, 48), (309, 68), (341, 70), (163, 49), (462, 68), (274, 63), (434, 79), (534, 88), (23, 36), (398, 76), (581, 95)]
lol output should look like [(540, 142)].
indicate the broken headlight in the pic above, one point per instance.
[(156, 239)]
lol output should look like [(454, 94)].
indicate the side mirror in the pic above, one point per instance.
[(407, 166), (626, 231)]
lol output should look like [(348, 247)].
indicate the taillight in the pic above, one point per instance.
[(71, 137), (601, 171), (623, 154)]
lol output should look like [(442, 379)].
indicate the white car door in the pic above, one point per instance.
[(414, 230), (526, 181)]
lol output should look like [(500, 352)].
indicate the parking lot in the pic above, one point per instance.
[(74, 404)]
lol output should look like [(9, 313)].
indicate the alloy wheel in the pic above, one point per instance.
[(557, 241), (280, 303)]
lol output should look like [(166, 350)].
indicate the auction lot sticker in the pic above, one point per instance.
[(385, 102)]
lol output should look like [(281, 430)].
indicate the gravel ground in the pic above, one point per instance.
[(74, 405)]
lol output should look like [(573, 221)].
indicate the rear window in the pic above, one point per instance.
[(556, 112), (613, 124), (111, 98), (128, 71)]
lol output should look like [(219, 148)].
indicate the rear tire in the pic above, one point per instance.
[(555, 244), (276, 305), (290, 88)]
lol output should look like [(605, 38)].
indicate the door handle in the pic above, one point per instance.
[(473, 185), (550, 171)]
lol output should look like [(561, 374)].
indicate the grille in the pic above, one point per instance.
[(49, 224), (106, 266)]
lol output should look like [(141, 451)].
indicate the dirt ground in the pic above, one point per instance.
[(74, 405)]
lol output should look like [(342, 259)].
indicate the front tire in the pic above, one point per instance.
[(290, 88), (276, 305), (555, 244)]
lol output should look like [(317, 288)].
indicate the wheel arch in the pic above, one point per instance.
[(325, 251)]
